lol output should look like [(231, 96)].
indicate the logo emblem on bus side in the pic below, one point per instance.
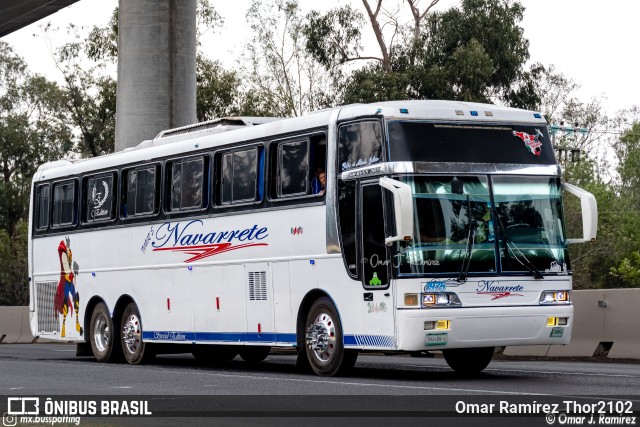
[(97, 210)]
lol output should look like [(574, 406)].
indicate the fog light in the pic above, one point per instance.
[(563, 321), (428, 299), (552, 321), (442, 324), (429, 325), (410, 299)]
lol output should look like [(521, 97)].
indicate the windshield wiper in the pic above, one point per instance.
[(466, 262), (507, 250)]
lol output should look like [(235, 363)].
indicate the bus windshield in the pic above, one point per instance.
[(484, 225)]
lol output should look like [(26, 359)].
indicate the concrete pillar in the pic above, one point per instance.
[(156, 68)]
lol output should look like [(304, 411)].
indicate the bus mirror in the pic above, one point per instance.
[(403, 209), (589, 213)]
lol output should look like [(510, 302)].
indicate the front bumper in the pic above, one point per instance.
[(483, 327)]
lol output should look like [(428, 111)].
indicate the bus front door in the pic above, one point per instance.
[(378, 326)]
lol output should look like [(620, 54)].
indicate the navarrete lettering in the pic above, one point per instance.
[(185, 237), (487, 286)]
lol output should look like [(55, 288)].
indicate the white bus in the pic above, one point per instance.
[(406, 226)]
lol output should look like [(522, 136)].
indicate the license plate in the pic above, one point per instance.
[(437, 339), (556, 332)]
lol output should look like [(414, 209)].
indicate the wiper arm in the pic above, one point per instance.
[(507, 250), (466, 262)]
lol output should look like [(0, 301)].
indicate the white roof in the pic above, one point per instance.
[(208, 138)]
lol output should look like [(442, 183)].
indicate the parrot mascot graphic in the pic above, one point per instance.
[(67, 299)]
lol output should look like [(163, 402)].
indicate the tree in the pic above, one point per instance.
[(31, 132), (282, 79), (89, 93), (475, 52)]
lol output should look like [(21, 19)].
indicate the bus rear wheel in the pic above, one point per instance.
[(104, 339), (468, 361), (324, 340), (254, 354), (134, 349)]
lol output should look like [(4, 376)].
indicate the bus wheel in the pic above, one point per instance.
[(324, 340), (105, 343), (468, 360), (215, 353), (134, 349), (254, 354)]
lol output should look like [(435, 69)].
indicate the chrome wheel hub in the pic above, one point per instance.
[(101, 333), (131, 334), (321, 337)]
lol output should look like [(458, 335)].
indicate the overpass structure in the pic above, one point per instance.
[(156, 61)]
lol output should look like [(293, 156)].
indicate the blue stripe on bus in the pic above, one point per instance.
[(239, 337), (178, 336)]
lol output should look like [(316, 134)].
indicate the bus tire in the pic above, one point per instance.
[(324, 343), (253, 354), (104, 339), (468, 361), (133, 347)]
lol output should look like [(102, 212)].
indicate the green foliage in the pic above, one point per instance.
[(32, 131), (218, 91), (14, 288), (334, 38), (474, 52), (280, 77), (629, 270)]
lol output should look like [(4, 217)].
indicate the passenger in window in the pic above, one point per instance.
[(318, 182)]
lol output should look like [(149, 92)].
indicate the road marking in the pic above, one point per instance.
[(124, 386), (378, 385), (16, 388), (565, 373), (531, 371)]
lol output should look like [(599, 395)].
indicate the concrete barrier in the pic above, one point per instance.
[(11, 324), (588, 326), (622, 323), (606, 323)]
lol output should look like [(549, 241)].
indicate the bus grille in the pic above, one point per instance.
[(257, 286), (47, 316)]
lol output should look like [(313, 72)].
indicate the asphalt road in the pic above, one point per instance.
[(51, 369)]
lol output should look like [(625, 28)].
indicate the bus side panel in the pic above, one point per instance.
[(284, 320), (218, 300)]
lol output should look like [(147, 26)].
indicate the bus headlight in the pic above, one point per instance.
[(555, 297), (440, 299)]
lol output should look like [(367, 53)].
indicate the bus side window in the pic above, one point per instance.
[(359, 144), (140, 192), (42, 207), (240, 176), (64, 204), (187, 184), (298, 167), (99, 203), (293, 168), (347, 222)]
